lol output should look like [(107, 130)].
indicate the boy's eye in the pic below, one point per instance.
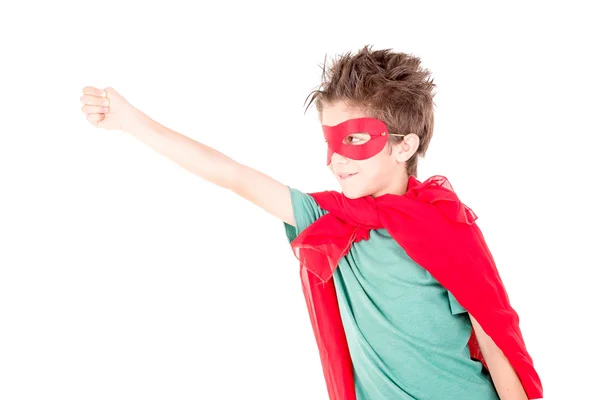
[(356, 138)]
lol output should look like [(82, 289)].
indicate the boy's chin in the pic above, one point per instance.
[(353, 194)]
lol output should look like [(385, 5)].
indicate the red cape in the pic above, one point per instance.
[(439, 233)]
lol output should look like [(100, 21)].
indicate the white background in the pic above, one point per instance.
[(124, 276)]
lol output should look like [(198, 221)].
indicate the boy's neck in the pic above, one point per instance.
[(397, 187)]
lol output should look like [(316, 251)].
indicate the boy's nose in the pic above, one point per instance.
[(339, 159)]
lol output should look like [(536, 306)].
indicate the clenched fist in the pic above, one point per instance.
[(106, 108)]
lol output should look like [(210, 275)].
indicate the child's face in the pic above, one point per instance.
[(380, 174)]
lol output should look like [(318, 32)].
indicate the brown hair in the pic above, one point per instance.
[(386, 85)]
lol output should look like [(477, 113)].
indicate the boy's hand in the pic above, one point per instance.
[(106, 108)]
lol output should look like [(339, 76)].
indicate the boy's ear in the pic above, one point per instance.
[(407, 148)]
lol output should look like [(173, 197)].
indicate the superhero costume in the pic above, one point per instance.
[(435, 229)]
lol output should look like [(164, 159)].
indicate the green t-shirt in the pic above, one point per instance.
[(407, 335)]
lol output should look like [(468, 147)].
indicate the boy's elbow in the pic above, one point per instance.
[(230, 176)]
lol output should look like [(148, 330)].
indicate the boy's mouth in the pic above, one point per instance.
[(346, 176)]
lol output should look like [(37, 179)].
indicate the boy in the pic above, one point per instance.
[(403, 294)]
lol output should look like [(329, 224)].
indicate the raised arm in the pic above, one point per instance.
[(105, 108)]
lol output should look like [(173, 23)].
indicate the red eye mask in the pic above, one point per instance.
[(335, 136)]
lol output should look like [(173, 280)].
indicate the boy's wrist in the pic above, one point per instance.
[(137, 123)]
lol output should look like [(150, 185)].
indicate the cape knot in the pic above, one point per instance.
[(368, 208)]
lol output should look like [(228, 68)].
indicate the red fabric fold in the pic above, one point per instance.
[(439, 233)]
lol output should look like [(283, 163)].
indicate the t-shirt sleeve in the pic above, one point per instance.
[(306, 211), (455, 306)]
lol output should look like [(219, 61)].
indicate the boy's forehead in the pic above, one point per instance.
[(335, 114)]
